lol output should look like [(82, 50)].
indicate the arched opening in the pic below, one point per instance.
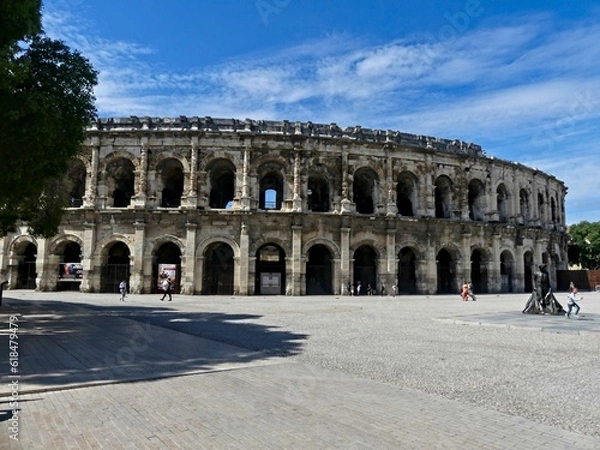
[(502, 203), (443, 197), (553, 210), (407, 271), (364, 189), (270, 270), (318, 271), (478, 272), (524, 205), (365, 268), (70, 269), (218, 270), (476, 198), (271, 191), (405, 195), (167, 264), (528, 271), (116, 268), (446, 272), (222, 184), (170, 173), (76, 183), (120, 180), (506, 271), (26, 272), (318, 194)]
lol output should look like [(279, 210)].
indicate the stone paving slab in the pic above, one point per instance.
[(584, 324), (287, 405)]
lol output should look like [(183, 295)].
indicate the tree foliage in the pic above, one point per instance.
[(584, 244), (46, 100)]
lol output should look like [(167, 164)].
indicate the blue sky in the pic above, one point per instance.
[(520, 78)]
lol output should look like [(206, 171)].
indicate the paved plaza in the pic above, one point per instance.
[(202, 372)]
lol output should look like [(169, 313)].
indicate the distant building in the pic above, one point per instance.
[(264, 207)]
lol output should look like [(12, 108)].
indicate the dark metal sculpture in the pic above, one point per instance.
[(542, 300)]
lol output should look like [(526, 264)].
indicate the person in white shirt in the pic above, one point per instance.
[(573, 299), (123, 290)]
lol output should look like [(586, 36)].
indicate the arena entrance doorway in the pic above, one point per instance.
[(218, 270), (318, 271), (116, 268), (270, 270)]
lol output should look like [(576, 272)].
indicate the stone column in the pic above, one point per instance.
[(466, 256), (540, 246), (339, 285), (139, 199), (89, 200), (345, 255), (192, 191), (41, 263), (243, 275), (494, 270), (519, 276), (90, 281), (136, 277), (391, 208), (388, 278), (431, 272), (297, 275), (189, 265), (246, 201), (426, 204), (297, 198), (346, 204)]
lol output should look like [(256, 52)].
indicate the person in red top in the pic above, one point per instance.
[(465, 291)]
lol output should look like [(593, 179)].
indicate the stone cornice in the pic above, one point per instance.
[(283, 128)]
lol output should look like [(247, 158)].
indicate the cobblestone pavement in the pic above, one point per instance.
[(297, 372)]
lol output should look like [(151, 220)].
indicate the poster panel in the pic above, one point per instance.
[(70, 272), (167, 271)]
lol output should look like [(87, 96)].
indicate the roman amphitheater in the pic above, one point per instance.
[(249, 207)]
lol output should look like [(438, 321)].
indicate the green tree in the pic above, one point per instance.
[(46, 101), (584, 244)]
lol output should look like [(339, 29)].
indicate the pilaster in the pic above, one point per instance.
[(243, 275), (91, 275), (189, 267), (297, 273), (136, 276)]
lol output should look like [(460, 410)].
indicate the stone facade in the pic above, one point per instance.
[(264, 207)]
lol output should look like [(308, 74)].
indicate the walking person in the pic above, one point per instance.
[(123, 290), (394, 289), (470, 289), (464, 293), (166, 286), (573, 299)]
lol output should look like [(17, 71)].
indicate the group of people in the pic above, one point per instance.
[(358, 289), (467, 291), (166, 286)]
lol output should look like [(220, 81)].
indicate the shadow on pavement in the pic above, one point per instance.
[(63, 344)]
